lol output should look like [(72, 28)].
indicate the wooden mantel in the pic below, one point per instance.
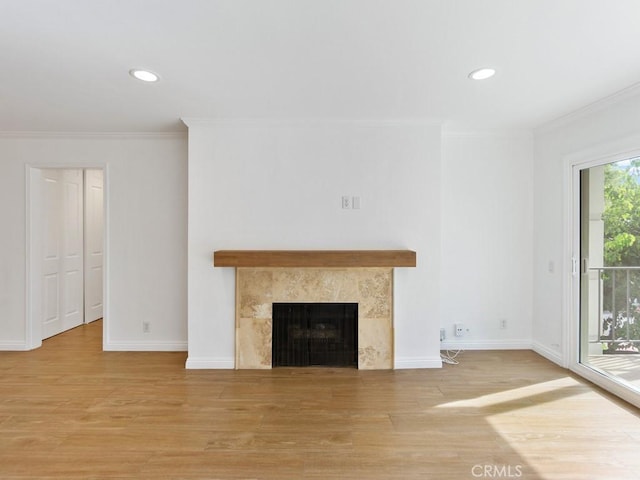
[(314, 258)]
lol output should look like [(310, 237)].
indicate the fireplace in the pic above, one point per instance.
[(268, 277), (315, 334)]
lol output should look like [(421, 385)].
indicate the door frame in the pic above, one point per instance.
[(573, 164), (33, 326)]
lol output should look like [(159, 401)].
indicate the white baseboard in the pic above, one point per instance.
[(210, 363), (145, 347), (512, 344), (226, 364), (417, 362), (546, 352), (13, 346)]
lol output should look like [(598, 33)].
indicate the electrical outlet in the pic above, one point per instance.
[(503, 324), (459, 329), (146, 327), (346, 202), (443, 334)]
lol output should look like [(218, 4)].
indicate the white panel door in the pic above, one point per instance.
[(63, 245), (51, 262), (94, 244), (73, 284)]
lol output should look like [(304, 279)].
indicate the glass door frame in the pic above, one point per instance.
[(574, 164)]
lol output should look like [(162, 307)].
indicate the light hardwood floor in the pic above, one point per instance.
[(69, 411)]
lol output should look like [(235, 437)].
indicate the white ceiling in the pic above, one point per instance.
[(64, 64)]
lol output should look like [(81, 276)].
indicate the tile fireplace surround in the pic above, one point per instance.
[(362, 277)]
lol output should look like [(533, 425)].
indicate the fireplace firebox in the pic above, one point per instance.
[(315, 334)]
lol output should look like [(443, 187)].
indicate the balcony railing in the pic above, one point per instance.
[(618, 309)]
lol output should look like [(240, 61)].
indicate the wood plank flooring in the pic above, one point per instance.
[(70, 411)]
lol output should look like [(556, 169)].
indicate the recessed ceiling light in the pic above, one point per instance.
[(482, 73), (144, 75)]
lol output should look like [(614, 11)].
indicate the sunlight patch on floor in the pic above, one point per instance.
[(513, 395)]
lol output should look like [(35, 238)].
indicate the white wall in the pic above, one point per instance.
[(487, 238), (278, 185), (466, 209), (146, 195), (609, 127)]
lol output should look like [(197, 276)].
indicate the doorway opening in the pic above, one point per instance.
[(66, 251)]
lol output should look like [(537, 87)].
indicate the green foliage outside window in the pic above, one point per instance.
[(622, 249)]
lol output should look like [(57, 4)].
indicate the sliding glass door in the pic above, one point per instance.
[(609, 271)]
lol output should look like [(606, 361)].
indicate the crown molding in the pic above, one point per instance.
[(309, 122), (91, 135), (589, 109), (520, 133)]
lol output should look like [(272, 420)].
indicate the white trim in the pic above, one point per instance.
[(544, 351), (29, 334), (146, 346), (106, 256), (514, 344), (16, 345), (227, 363), (487, 133), (309, 122), (618, 387), (417, 362), (590, 109), (33, 325), (210, 363), (33, 336), (620, 149), (570, 298), (90, 135)]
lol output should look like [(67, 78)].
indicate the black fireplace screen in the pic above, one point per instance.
[(307, 334)]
